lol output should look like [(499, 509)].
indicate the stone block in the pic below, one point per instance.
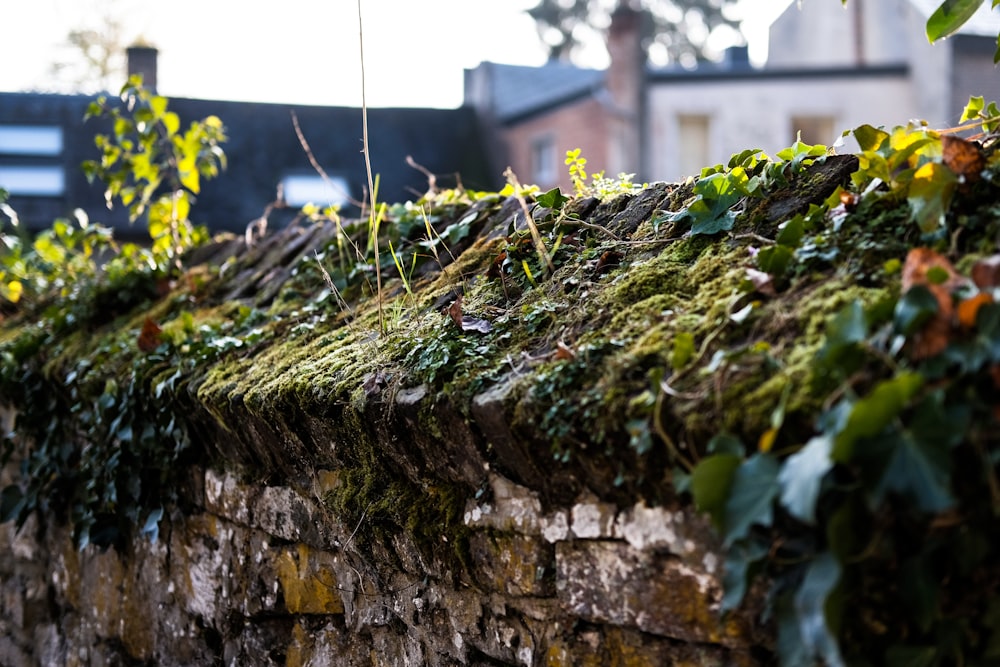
[(611, 582), (308, 582), (287, 514), (593, 520), (513, 508), (227, 497), (513, 564), (681, 531)]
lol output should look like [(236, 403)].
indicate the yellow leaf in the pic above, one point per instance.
[(191, 180), (14, 291), (767, 440)]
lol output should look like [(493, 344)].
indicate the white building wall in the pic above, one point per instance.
[(826, 33), (757, 112)]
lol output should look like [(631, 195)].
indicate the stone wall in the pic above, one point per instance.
[(266, 575), (344, 509)]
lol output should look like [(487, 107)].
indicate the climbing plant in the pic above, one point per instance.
[(153, 167), (876, 532)]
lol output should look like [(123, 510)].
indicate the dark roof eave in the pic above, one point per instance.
[(696, 76)]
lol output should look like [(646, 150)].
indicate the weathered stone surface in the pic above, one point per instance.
[(307, 581), (513, 508), (513, 564), (244, 583), (610, 582)]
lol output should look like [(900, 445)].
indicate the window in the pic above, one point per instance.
[(22, 172), (813, 129), (302, 189), (543, 161), (693, 144), (33, 181), (30, 140)]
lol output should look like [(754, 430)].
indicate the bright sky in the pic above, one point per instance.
[(298, 51)]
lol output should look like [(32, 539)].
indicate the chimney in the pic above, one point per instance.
[(624, 78), (142, 60), (626, 81)]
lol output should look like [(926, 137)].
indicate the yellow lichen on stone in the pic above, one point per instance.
[(307, 582)]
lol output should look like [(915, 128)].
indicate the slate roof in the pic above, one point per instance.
[(520, 91), (263, 148)]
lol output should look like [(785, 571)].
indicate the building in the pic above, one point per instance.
[(43, 141), (830, 68)]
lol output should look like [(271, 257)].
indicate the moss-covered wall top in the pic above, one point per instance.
[(481, 446)]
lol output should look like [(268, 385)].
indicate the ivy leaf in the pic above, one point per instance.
[(813, 609), (775, 259), (843, 332), (949, 17), (791, 232), (919, 469), (930, 195), (715, 195), (553, 199), (870, 415), (802, 475), (914, 309), (710, 484), (754, 487), (869, 138), (973, 108), (741, 557)]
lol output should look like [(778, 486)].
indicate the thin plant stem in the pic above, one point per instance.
[(373, 222)]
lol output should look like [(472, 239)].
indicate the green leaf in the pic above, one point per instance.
[(843, 332), (914, 309), (872, 414), (949, 17), (172, 122), (49, 251), (754, 487), (710, 483), (714, 222), (791, 232), (726, 443), (870, 138), (682, 350), (919, 469), (972, 109), (740, 559), (775, 259), (158, 105), (715, 195), (802, 475), (930, 195), (553, 199), (814, 610)]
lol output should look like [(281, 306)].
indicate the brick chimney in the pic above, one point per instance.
[(142, 60), (627, 59), (625, 81)]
